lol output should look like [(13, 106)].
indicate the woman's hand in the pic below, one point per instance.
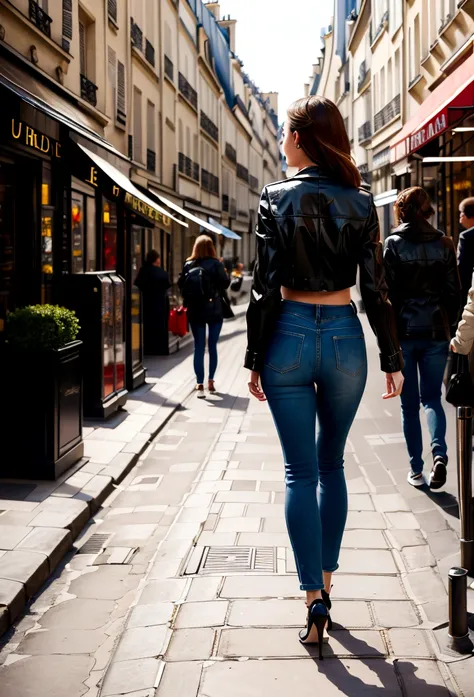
[(254, 386), (452, 347), (394, 384)]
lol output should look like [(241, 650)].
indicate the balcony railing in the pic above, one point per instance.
[(188, 167), (88, 90), (39, 18), (242, 172), (365, 131), (231, 153), (196, 171), (209, 126), (253, 181), (169, 68), (209, 182), (363, 72), (225, 203), (136, 35), (385, 115), (151, 160), (150, 52), (187, 91), (240, 103)]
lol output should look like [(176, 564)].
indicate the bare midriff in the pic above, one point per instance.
[(338, 297)]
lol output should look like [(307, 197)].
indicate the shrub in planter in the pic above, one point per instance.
[(41, 393)]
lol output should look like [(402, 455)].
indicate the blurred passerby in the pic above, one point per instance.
[(154, 283), (202, 283), (466, 245), (236, 281), (305, 340), (464, 337), (424, 289)]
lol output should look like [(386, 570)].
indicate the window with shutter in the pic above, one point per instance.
[(82, 48), (137, 125), (151, 125), (112, 75), (67, 23), (121, 94), (112, 9)]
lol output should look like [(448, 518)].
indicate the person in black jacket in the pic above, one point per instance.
[(425, 291), (466, 246), (154, 283), (203, 282)]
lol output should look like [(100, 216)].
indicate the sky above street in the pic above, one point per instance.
[(278, 41)]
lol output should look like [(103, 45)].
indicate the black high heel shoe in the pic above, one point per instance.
[(317, 619), (327, 602)]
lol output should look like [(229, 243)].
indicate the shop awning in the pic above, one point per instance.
[(133, 197), (230, 234), (439, 111), (177, 209)]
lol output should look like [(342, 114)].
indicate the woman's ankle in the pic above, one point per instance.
[(327, 578), (311, 596)]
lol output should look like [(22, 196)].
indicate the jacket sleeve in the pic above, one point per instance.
[(465, 332), (223, 279), (465, 263), (374, 291), (265, 296), (453, 297)]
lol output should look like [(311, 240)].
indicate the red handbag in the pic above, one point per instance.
[(178, 321)]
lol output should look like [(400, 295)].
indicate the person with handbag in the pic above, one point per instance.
[(154, 282), (425, 291), (203, 283)]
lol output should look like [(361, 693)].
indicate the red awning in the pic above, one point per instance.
[(436, 114)]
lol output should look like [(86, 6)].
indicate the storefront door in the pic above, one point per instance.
[(7, 240)]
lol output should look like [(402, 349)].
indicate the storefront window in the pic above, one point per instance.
[(7, 229), (77, 228), (109, 218), (137, 261), (91, 257), (46, 236)]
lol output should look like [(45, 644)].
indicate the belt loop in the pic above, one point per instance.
[(354, 307)]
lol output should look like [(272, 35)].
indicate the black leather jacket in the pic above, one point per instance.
[(312, 233), (423, 281)]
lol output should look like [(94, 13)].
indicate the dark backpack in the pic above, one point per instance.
[(197, 287)]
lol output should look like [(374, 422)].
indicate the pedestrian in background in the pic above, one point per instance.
[(425, 291), (466, 245), (305, 340), (203, 282), (154, 283)]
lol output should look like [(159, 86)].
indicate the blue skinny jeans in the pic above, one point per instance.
[(428, 359), (315, 368), (199, 333)]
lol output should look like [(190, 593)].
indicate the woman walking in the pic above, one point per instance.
[(305, 341), (425, 292), (203, 282)]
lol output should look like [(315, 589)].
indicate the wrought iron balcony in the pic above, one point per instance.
[(188, 167), (136, 35), (88, 90), (209, 182), (225, 203), (151, 160), (253, 181), (196, 171), (385, 115), (231, 153), (209, 126), (242, 172), (187, 91), (40, 18), (365, 131), (169, 68), (150, 52)]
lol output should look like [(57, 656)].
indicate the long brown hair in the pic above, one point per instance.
[(323, 138), (203, 247), (412, 204)]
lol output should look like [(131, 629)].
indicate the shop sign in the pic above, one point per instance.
[(144, 209), (26, 135), (433, 128)]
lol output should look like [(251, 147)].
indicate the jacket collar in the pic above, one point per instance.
[(421, 230)]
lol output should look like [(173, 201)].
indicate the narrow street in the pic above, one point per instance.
[(184, 585)]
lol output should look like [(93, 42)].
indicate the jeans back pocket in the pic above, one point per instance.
[(351, 355), (284, 351)]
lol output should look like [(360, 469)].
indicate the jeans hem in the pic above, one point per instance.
[(331, 571), (312, 586)]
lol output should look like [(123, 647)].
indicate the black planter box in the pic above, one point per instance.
[(41, 405)]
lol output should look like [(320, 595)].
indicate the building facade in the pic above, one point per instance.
[(407, 100)]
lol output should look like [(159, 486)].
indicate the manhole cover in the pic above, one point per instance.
[(94, 544), (224, 560)]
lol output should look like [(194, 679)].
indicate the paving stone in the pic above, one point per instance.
[(409, 642), (128, 676), (274, 525), (204, 588), (300, 677), (12, 596), (205, 614), (217, 539), (432, 521), (60, 676), (264, 539), (357, 561), (273, 486), (418, 557), (242, 497), (119, 466), (364, 539), (261, 587), (141, 642), (51, 542), (63, 513), (105, 583), (360, 502), (405, 538), (395, 614), (377, 475), (357, 486), (198, 500), (168, 568), (462, 674), (12, 535), (385, 503), (60, 640), (291, 613), (264, 510), (180, 680), (245, 485), (426, 586), (359, 520), (443, 543), (190, 645), (150, 615), (78, 613), (356, 587), (423, 679), (169, 590), (26, 567), (403, 521)]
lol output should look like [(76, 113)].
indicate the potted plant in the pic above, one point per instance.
[(41, 391)]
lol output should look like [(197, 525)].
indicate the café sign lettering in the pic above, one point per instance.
[(26, 135), (143, 208), (429, 131)]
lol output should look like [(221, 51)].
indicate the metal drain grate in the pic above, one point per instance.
[(95, 544), (207, 561)]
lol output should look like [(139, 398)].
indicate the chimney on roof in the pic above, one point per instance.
[(272, 99), (229, 24), (215, 8)]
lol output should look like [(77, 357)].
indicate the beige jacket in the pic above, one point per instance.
[(464, 338)]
